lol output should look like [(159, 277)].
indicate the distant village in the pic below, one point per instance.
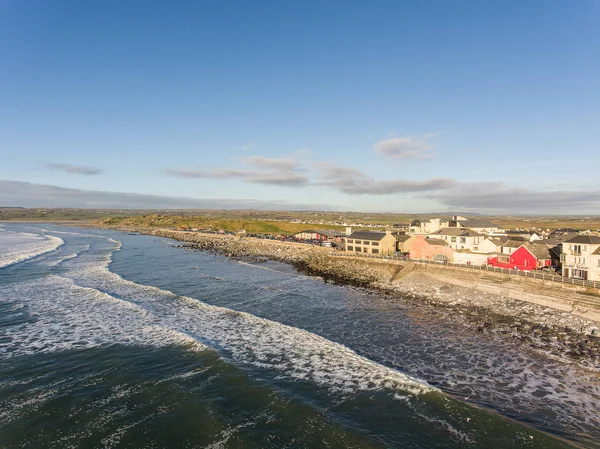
[(467, 241)]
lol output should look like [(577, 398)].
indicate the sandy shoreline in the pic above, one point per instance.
[(563, 322)]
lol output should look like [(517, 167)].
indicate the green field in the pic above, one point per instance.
[(271, 222)]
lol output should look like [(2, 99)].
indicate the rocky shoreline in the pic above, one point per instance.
[(552, 328)]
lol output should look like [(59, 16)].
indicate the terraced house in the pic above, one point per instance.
[(581, 257), (370, 242)]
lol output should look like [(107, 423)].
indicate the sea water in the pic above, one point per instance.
[(116, 340)]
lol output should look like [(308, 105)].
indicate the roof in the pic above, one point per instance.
[(597, 251), (512, 243), (589, 239), (456, 232), (330, 233), (438, 242), (495, 241), (498, 241), (403, 238), (540, 251), (551, 242), (477, 223), (367, 235)]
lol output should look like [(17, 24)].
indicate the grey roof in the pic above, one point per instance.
[(438, 242), (551, 242), (497, 241), (367, 235), (540, 251), (330, 233), (512, 243), (589, 239), (477, 223), (403, 238), (456, 232)]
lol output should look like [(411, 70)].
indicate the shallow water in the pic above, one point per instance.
[(125, 341)]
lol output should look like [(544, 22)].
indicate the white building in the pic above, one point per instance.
[(460, 239), (581, 257), (478, 225), (426, 227)]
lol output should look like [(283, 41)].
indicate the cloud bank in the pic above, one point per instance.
[(25, 194)]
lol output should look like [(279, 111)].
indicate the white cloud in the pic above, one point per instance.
[(404, 148)]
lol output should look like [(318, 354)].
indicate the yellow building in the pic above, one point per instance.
[(370, 242)]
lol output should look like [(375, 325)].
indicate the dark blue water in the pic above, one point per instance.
[(114, 340)]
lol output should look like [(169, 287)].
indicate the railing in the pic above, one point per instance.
[(484, 267)]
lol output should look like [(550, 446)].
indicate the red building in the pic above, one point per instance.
[(526, 257)]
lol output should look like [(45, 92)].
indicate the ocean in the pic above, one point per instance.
[(114, 340)]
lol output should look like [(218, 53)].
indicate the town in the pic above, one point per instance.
[(458, 240), (477, 242)]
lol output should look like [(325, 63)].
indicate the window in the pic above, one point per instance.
[(463, 240), (475, 248), (599, 261), (503, 259), (350, 248), (366, 242), (350, 241), (358, 249), (375, 243), (375, 251), (577, 250), (453, 239), (563, 258)]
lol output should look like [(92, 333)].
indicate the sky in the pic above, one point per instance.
[(385, 106)]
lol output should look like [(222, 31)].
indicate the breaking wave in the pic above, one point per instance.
[(87, 305), (16, 247)]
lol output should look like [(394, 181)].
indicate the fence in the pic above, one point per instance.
[(529, 274)]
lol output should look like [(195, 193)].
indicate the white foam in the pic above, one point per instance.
[(16, 247), (92, 306), (65, 317)]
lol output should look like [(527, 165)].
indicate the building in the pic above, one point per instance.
[(511, 245), (325, 234), (478, 225), (595, 266), (428, 226), (492, 245), (580, 257), (403, 243), (371, 242), (422, 247), (528, 256), (459, 238)]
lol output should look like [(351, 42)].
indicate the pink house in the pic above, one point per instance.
[(430, 249)]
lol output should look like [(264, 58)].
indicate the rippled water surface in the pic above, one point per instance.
[(116, 340)]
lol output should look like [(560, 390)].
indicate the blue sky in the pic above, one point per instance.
[(399, 106)]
